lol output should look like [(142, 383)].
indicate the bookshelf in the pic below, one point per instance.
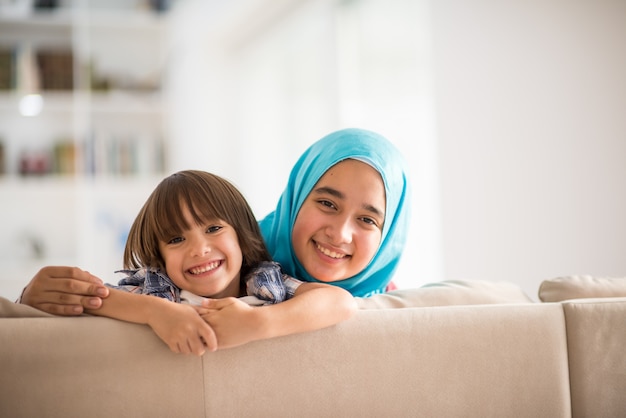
[(82, 131)]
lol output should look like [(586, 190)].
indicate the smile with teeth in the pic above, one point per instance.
[(205, 268), (329, 253)]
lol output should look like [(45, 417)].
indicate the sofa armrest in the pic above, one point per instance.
[(596, 337)]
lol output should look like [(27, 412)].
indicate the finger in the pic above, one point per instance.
[(79, 287), (204, 311), (76, 293), (209, 338), (197, 346), (74, 301), (192, 345), (60, 272), (59, 303), (63, 310)]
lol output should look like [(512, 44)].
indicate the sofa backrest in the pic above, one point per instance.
[(93, 367), (458, 361), (482, 361)]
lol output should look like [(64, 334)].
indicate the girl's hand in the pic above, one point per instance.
[(182, 329), (233, 321), (314, 306)]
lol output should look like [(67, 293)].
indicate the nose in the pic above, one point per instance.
[(340, 230), (199, 245)]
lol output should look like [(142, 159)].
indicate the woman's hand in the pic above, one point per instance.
[(63, 290)]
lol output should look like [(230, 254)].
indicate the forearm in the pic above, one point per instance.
[(128, 307), (314, 306)]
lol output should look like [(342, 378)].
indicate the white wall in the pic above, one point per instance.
[(531, 105)]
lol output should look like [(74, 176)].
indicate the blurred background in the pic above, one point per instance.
[(512, 116)]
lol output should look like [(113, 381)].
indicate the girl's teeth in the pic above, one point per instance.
[(205, 268), (329, 253)]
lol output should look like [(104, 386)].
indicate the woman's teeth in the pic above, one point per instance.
[(329, 253)]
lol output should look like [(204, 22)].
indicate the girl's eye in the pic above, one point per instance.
[(175, 240), (213, 229)]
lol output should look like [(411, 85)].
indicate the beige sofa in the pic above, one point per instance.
[(491, 353)]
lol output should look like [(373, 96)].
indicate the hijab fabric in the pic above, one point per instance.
[(382, 155)]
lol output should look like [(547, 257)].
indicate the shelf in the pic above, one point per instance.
[(66, 19), (79, 185), (75, 175), (15, 28), (120, 102)]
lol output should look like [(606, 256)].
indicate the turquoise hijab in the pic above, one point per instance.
[(361, 145)]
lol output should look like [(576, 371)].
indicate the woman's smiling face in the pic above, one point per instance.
[(339, 226)]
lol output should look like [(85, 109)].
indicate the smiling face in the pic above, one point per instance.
[(339, 226), (205, 259)]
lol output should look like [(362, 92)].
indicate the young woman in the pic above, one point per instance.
[(195, 237), (344, 215)]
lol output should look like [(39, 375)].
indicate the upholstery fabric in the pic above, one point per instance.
[(483, 360), (445, 293), (595, 339), (505, 360), (93, 367), (9, 309), (580, 287), (488, 361)]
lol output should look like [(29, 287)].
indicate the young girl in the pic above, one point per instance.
[(197, 236)]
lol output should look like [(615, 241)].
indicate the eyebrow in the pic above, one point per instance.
[(339, 195)]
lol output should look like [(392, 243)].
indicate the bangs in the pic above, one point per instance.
[(172, 199)]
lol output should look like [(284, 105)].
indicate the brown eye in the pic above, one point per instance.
[(369, 221), (175, 240), (326, 203), (213, 229)]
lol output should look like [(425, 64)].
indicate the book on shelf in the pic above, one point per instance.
[(7, 68), (64, 158), (108, 154), (56, 69), (102, 155)]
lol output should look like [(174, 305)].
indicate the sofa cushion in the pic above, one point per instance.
[(581, 287), (445, 293)]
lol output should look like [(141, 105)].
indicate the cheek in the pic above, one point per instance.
[(371, 243), (170, 261), (236, 255), (298, 231)]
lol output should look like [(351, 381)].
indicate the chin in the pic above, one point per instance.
[(326, 279)]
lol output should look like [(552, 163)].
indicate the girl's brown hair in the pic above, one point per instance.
[(207, 197)]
